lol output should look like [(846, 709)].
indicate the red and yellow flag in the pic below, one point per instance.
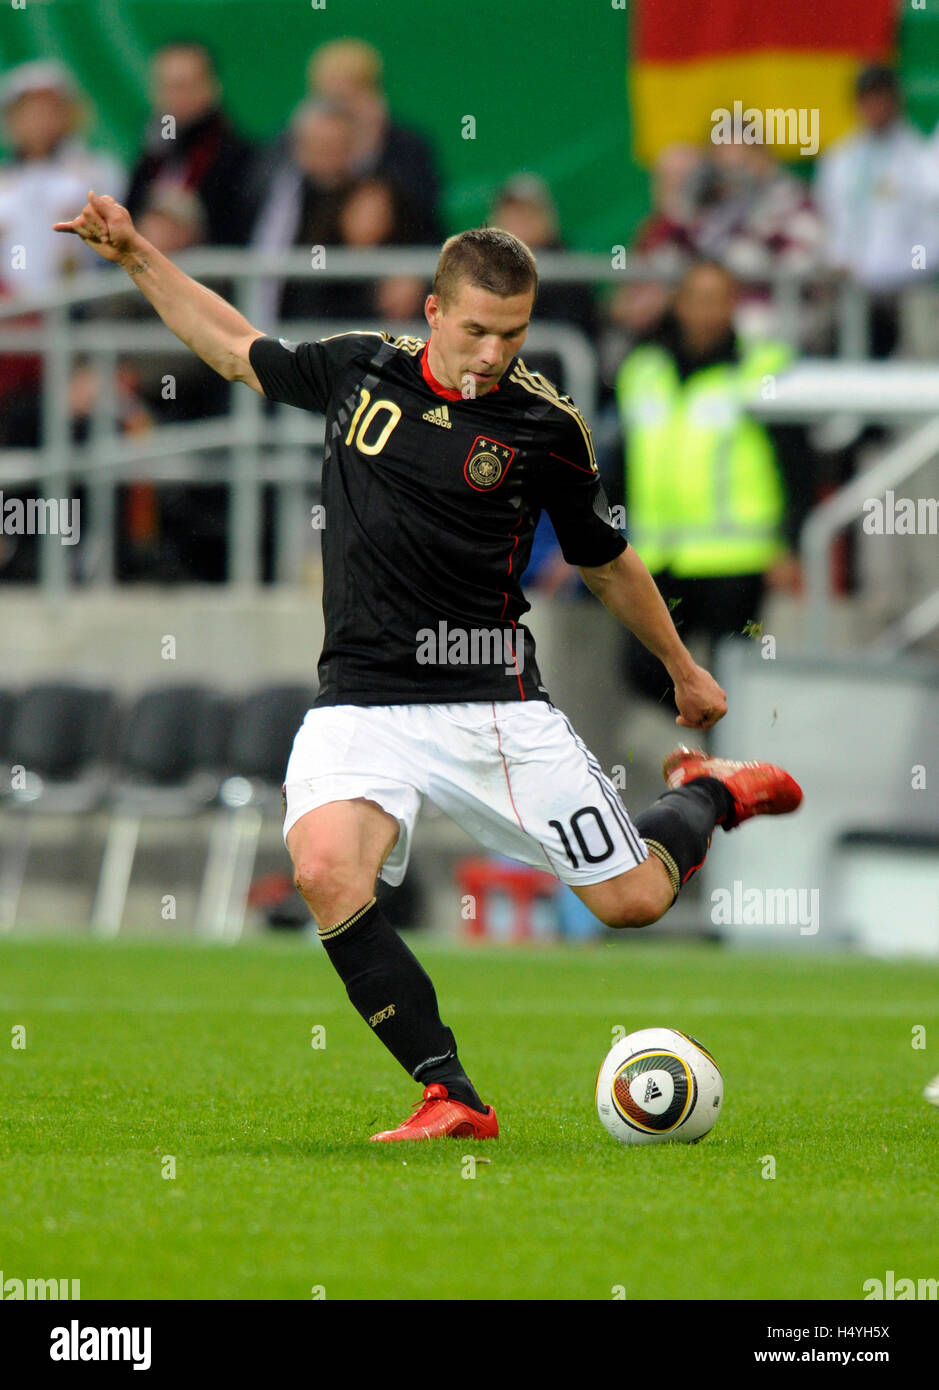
[(692, 57)]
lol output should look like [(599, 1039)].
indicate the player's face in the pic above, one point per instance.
[(474, 336)]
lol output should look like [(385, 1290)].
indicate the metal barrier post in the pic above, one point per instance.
[(99, 539), (53, 472), (853, 318), (245, 513)]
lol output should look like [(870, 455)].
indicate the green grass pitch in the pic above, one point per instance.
[(137, 1052)]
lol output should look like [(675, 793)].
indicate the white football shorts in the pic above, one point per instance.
[(514, 775)]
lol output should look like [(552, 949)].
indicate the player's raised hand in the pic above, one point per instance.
[(105, 225), (699, 699)]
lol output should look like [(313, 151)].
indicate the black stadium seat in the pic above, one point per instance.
[(168, 764), (57, 741), (173, 734), (262, 731), (58, 729)]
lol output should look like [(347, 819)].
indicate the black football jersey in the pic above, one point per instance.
[(430, 505)]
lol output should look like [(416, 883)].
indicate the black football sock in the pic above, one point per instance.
[(678, 827), (451, 1074), (394, 994)]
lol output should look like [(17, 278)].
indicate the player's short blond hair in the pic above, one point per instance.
[(488, 257), (359, 63)]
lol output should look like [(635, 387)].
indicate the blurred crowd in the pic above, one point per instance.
[(344, 173), (724, 221)]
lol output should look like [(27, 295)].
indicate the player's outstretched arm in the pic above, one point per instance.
[(628, 590), (198, 316)]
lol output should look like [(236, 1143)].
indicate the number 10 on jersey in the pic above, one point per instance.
[(363, 421)]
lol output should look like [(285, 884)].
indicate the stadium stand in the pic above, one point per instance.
[(168, 763), (56, 741), (262, 730)]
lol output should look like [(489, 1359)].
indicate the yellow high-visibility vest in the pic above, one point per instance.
[(704, 495)]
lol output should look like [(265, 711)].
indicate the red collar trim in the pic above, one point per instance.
[(449, 393)]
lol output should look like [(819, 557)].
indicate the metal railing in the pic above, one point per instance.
[(901, 394), (921, 621), (247, 434), (249, 448)]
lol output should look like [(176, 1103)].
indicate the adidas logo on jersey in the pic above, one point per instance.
[(439, 415)]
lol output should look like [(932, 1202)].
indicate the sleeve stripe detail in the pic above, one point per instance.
[(540, 386), (580, 468), (352, 333)]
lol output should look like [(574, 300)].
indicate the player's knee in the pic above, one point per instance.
[(638, 908), (322, 879)]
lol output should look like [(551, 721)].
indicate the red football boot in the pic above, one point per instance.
[(758, 789), (439, 1117)]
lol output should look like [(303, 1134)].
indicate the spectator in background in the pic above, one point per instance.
[(322, 145), (757, 218), (314, 199), (714, 500), (172, 533), (19, 428), (734, 203), (873, 198), (664, 246), (752, 210), (50, 165), (525, 207), (666, 237), (371, 214), (310, 178), (204, 154), (348, 73), (165, 532), (174, 219)]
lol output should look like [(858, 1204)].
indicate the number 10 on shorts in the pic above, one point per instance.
[(576, 832)]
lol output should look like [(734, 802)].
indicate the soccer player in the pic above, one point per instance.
[(440, 457)]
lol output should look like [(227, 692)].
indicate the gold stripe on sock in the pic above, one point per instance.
[(660, 852), (340, 927)]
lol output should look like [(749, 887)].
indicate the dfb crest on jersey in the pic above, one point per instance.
[(487, 463)]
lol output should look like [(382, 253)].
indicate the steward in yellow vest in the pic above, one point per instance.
[(704, 495), (713, 502)]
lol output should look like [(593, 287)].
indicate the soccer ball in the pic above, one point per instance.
[(658, 1084)]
